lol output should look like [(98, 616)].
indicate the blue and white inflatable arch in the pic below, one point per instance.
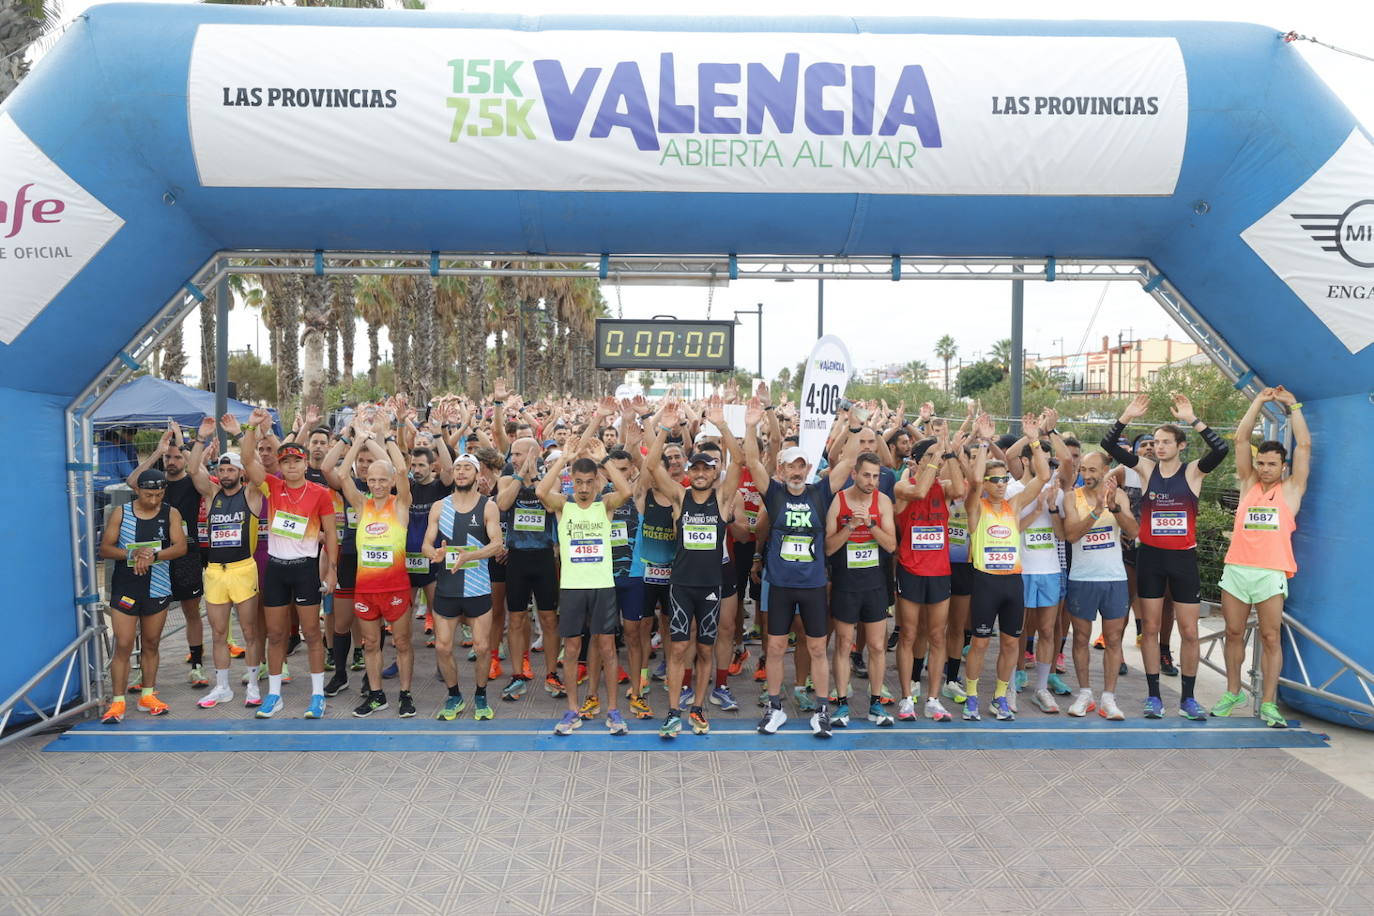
[(152, 137)]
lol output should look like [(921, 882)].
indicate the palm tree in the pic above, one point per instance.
[(376, 306), (946, 349), (316, 315), (174, 353), (346, 319), (22, 22), (1001, 354), (916, 371), (1038, 378)]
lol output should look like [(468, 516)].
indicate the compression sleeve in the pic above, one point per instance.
[(1219, 450), (1111, 448)]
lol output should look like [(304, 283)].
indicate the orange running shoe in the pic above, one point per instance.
[(622, 677), (1098, 643), (525, 671), (495, 670), (114, 714), (150, 704), (737, 663), (429, 623), (761, 672), (236, 651), (581, 672)]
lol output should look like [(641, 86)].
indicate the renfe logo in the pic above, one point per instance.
[(41, 211)]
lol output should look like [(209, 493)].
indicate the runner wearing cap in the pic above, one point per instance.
[(1260, 560), (1167, 560), (143, 536), (231, 575), (298, 513)]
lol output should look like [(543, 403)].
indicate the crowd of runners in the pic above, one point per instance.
[(607, 534)]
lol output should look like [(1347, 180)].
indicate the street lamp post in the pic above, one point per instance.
[(759, 312)]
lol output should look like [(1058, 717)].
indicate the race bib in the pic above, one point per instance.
[(202, 532), (620, 534), (1169, 524), (136, 546), (529, 519), (699, 537), (184, 530), (417, 562), (795, 548), (958, 533), (861, 556), (1039, 538), (656, 575), (286, 525), (1098, 538), (587, 550), (1262, 518), (927, 537), (999, 558), (453, 557), (351, 517), (375, 557), (751, 517), (226, 535)]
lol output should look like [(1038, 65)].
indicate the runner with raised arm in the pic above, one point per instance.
[(1167, 559), (1260, 560)]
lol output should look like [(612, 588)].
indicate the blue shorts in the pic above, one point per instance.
[(1042, 589), (1088, 599), (629, 595)]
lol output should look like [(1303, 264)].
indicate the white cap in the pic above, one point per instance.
[(467, 459), (789, 455), (231, 458)]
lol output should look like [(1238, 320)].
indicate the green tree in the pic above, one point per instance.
[(978, 377), (1001, 354), (915, 371), (1038, 378), (22, 22), (256, 381), (946, 349)]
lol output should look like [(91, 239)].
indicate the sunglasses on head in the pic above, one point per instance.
[(1002, 479)]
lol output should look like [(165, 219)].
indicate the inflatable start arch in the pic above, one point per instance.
[(153, 137)]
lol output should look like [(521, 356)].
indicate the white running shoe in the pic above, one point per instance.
[(954, 691), (1045, 701), (772, 720), (936, 710), (906, 709), (215, 697), (1011, 700), (1110, 711), (1082, 703)]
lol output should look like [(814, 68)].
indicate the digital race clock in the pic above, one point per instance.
[(665, 344)]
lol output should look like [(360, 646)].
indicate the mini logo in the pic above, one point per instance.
[(376, 528), (999, 531), (1349, 234)]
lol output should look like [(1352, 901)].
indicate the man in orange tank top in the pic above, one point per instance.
[(1260, 560)]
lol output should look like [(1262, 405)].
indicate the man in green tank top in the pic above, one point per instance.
[(586, 598)]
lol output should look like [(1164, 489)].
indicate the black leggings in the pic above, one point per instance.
[(999, 600), (783, 602)]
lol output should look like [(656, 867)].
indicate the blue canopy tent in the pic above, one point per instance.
[(149, 401)]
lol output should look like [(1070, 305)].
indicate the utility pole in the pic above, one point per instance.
[(1018, 356)]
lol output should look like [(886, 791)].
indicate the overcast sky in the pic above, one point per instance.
[(1058, 316)]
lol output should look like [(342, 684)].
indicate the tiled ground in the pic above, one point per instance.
[(1062, 832)]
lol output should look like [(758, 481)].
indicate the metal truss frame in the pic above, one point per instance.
[(86, 657)]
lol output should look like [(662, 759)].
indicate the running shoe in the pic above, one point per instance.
[(640, 708), (615, 723), (686, 698), (621, 677), (1099, 642), (538, 644), (1002, 709), (581, 673), (737, 662), (1228, 702), (936, 710), (429, 622), (697, 718), (773, 719), (722, 697), (1058, 687), (1059, 666), (914, 693), (754, 635), (285, 673), (526, 672), (805, 703), (390, 671), (337, 684), (366, 687), (591, 707), (568, 724), (515, 689), (671, 727), (893, 638), (374, 701), (249, 674), (655, 642), (879, 716), (1166, 663), (953, 691), (295, 641), (466, 641), (1082, 703), (1110, 711), (215, 697), (429, 641), (236, 651), (452, 706), (841, 717), (1269, 714), (1030, 657), (480, 710), (857, 664), (761, 672), (359, 661), (1139, 638), (1044, 700), (661, 672), (906, 709), (1154, 708), (1020, 680), (405, 708), (316, 708), (114, 713), (810, 686), (197, 677), (153, 706), (763, 697), (553, 685), (1122, 671), (820, 724), (792, 640), (1012, 699), (329, 658), (1192, 709), (271, 705), (971, 713), (251, 697)]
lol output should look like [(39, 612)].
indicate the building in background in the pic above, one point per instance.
[(1121, 369)]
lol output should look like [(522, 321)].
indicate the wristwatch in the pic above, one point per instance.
[(947, 455)]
